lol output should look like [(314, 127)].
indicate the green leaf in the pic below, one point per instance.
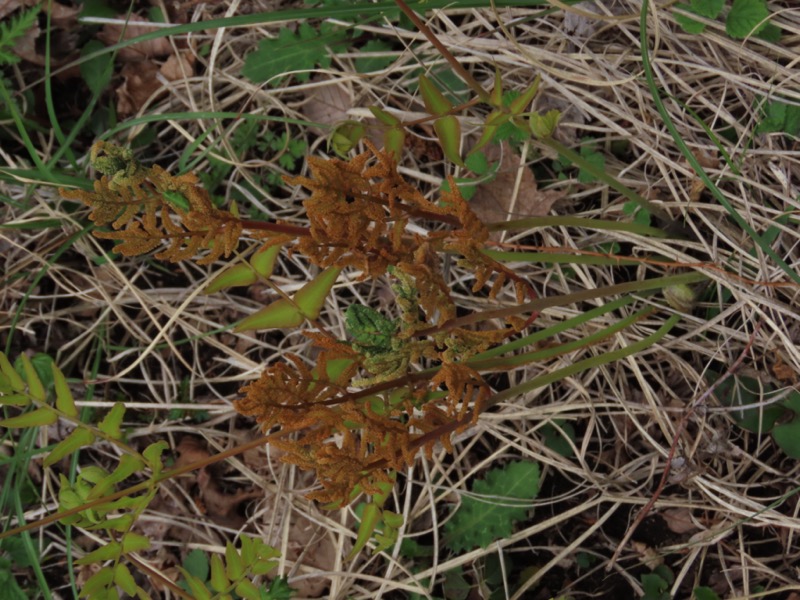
[(393, 141), (369, 521), (109, 551), (448, 130), (64, 400), (124, 579), (35, 385), (367, 64), (477, 163), (746, 18), (311, 297), (15, 400), (710, 9), (594, 158), (14, 380), (496, 502), (704, 593), (521, 102), (655, 588), (11, 30), (345, 137), (291, 51), (787, 436), (110, 425), (35, 418), (97, 582), (96, 72), (280, 313), (372, 333), (771, 33), (246, 589), (134, 542), (77, 439), (435, 102), (219, 581), (543, 126), (196, 564), (235, 276), (279, 589), (197, 586), (384, 117), (234, 566), (688, 24), (738, 392)]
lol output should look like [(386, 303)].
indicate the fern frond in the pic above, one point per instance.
[(13, 29), (147, 206)]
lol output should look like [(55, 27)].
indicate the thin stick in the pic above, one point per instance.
[(678, 433)]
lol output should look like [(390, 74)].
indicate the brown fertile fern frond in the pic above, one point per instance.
[(147, 206)]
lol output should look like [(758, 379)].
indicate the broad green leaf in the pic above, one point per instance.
[(248, 549), (262, 566), (134, 542), (15, 400), (110, 425), (311, 297), (14, 379), (35, 385), (746, 18), (64, 400), (704, 593), (219, 581), (688, 24), (124, 579), (109, 551), (79, 438), (384, 117), (35, 418), (448, 130), (234, 566), (279, 589), (246, 589), (521, 102), (787, 436), (280, 313), (435, 102), (235, 276)]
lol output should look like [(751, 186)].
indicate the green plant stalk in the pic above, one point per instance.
[(558, 258), (5, 96), (568, 221), (588, 363), (541, 303), (48, 93), (554, 330), (692, 160), (508, 362)]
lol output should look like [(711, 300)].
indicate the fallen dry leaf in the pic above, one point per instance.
[(329, 102), (180, 66), (140, 82), (136, 26), (9, 6), (679, 520), (494, 200)]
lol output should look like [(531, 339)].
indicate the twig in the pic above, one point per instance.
[(673, 448)]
